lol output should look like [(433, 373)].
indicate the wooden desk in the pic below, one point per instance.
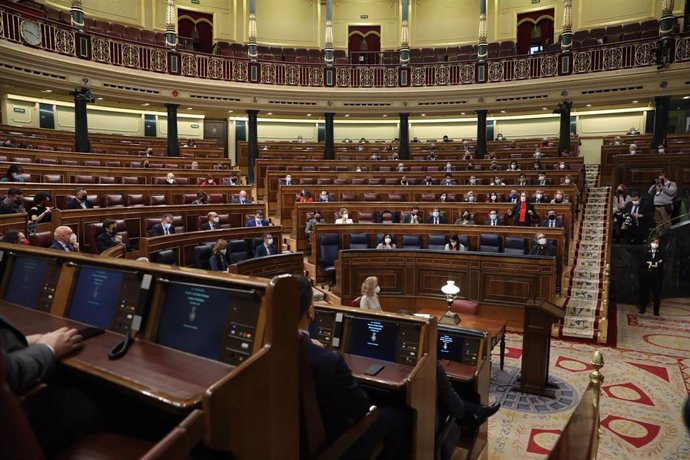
[(495, 328), (152, 372), (392, 376)]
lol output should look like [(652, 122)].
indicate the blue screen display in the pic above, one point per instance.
[(193, 319), (450, 346), (373, 338), (27, 280), (96, 296)]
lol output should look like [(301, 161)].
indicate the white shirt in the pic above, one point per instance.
[(370, 303), (340, 221)]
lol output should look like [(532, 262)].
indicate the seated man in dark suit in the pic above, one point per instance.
[(436, 218), (212, 222), (552, 220), (64, 239), (414, 217), (258, 220), (79, 201), (522, 212), (494, 220), (341, 400), (165, 227), (108, 237), (539, 197), (13, 202), (242, 198), (637, 215), (266, 248), (542, 247)]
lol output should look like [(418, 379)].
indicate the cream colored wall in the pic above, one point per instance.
[(293, 23), (502, 16), (187, 128), (385, 13), (127, 124), (593, 126), (269, 130), (443, 22), (596, 13), (527, 127), (124, 11), (437, 129), (29, 118), (369, 130)]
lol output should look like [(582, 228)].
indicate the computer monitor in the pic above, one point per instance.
[(209, 321), (451, 346), (32, 281), (373, 337), (323, 328), (104, 297)]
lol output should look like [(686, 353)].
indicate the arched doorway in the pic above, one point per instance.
[(364, 44), (534, 31), (195, 30)]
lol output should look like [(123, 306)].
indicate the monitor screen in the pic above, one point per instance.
[(451, 346), (28, 280), (99, 294), (323, 326), (216, 323), (373, 338)]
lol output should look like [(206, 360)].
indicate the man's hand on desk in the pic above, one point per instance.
[(62, 341), (317, 343)]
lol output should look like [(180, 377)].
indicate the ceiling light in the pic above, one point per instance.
[(309, 114), (635, 101), (686, 97), (269, 113), (462, 113), (47, 90), (589, 105), (230, 111), (424, 114), (503, 111), (99, 98), (385, 115), (145, 104), (543, 108), (347, 115), (190, 108)]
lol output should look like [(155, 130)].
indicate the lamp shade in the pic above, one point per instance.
[(450, 288)]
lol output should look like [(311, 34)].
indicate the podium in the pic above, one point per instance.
[(536, 346)]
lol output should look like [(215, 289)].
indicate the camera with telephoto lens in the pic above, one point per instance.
[(627, 222)]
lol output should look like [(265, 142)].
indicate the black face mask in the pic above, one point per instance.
[(18, 202), (552, 217)]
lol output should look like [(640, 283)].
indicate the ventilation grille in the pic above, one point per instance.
[(214, 98), (367, 104), (34, 72), (292, 103), (522, 98), (131, 88), (613, 90), (442, 103)]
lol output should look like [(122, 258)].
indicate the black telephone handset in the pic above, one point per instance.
[(120, 350)]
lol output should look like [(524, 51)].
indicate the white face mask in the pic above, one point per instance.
[(387, 240), (561, 166), (170, 181), (223, 251), (288, 179), (654, 245), (492, 216), (633, 151), (567, 181), (471, 198), (661, 150), (453, 243), (635, 203), (494, 197), (539, 195), (542, 241), (216, 219), (166, 226), (73, 238), (523, 199), (269, 241), (345, 216), (435, 213), (377, 290), (541, 178)]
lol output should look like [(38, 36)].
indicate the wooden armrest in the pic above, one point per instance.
[(350, 436), (32, 392), (180, 441)]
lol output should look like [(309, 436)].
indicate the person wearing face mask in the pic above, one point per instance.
[(387, 242), (41, 211), (428, 180), (305, 196), (437, 218), (242, 198), (344, 217), (448, 180), (401, 167), (537, 166), (514, 196), (500, 138), (522, 212), (212, 222), (497, 181), (454, 244), (470, 197), (108, 237), (258, 220), (493, 198), (267, 248), (170, 179), (494, 220), (370, 294), (468, 155), (14, 237), (543, 181), (567, 180), (620, 199), (661, 149), (514, 166), (632, 150), (287, 180), (559, 198), (13, 202), (552, 220), (561, 166), (637, 214), (444, 197), (493, 166), (80, 200), (14, 174), (414, 217), (448, 167), (309, 229), (218, 261), (472, 181), (325, 196), (522, 180), (403, 181), (651, 276), (466, 218), (165, 227), (664, 192), (64, 239), (541, 247)]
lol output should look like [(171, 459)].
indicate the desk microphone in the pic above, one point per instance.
[(120, 350)]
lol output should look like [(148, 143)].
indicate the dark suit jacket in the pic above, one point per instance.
[(408, 219), (57, 245), (645, 208), (499, 221), (104, 241), (218, 262), (207, 226), (515, 214), (648, 259), (252, 223), (157, 230), (341, 400), (25, 365), (538, 250), (441, 219), (75, 204), (262, 251), (559, 222), (237, 201)]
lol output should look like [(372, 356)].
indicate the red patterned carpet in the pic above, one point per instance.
[(647, 379)]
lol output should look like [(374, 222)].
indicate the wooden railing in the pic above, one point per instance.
[(580, 437)]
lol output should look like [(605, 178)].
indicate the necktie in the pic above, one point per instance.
[(634, 210), (653, 254), (551, 224), (436, 220), (258, 223)]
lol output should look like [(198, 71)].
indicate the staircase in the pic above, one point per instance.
[(586, 287)]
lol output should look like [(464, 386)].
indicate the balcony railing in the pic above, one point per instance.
[(62, 39)]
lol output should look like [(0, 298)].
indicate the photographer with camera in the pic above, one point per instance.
[(620, 199), (664, 192), (636, 216)]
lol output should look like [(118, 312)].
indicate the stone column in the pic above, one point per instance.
[(481, 135), (404, 136), (81, 124), (252, 48), (252, 143), (77, 14), (663, 104), (329, 141), (328, 42), (567, 35), (405, 35), (171, 26), (173, 141), (483, 48)]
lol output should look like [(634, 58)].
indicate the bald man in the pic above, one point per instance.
[(65, 239), (212, 222)]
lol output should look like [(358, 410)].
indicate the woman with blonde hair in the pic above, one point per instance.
[(218, 260), (370, 294)]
